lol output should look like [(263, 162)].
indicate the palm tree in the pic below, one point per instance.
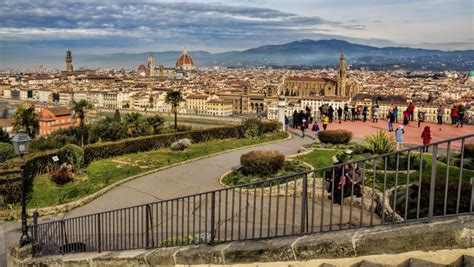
[(79, 109), (26, 119), (174, 98), (132, 121)]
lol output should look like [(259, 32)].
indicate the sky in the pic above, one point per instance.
[(33, 30)]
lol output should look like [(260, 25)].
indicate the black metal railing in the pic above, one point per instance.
[(401, 186)]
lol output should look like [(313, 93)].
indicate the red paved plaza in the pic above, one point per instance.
[(361, 129)]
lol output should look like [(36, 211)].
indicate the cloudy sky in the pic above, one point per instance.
[(34, 29)]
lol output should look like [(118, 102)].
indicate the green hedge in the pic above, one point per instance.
[(41, 162), (335, 136)]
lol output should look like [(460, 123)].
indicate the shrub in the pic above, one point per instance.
[(380, 143), (262, 162), (254, 127), (6, 151), (181, 144), (62, 175), (469, 150), (335, 136), (72, 154)]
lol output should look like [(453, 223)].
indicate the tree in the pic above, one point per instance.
[(155, 122), (117, 116), (150, 101), (174, 98), (79, 109), (132, 120), (4, 136), (26, 119)]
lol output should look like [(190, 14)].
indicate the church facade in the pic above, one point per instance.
[(184, 67)]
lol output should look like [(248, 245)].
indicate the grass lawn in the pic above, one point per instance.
[(104, 172)]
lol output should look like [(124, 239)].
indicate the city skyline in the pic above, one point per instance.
[(30, 30)]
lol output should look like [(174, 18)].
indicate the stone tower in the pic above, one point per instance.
[(341, 77), (69, 61), (151, 66)]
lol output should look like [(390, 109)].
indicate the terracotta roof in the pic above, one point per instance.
[(184, 59), (6, 122), (219, 101), (59, 111)]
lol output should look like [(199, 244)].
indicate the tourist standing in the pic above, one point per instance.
[(411, 109), (391, 120), (406, 117), (375, 114), (315, 129), (364, 112), (439, 113), (395, 113), (325, 122), (460, 118), (346, 112), (353, 110), (421, 117), (339, 114), (426, 136), (399, 136), (331, 113), (295, 119), (454, 114)]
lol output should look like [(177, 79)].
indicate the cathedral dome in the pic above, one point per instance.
[(184, 60), (141, 68)]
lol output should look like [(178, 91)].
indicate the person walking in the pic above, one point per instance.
[(364, 112), (439, 114), (339, 114), (411, 109), (460, 118), (375, 114), (390, 119), (315, 129), (303, 128), (399, 136), (454, 114), (421, 117), (395, 113), (426, 136), (325, 122)]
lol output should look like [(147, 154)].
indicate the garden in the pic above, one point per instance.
[(82, 171)]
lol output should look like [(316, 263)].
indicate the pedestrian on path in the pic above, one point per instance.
[(375, 114), (390, 120), (426, 136), (440, 112), (325, 122), (364, 113), (353, 110), (303, 128), (411, 109), (315, 129), (399, 136), (346, 112), (454, 114), (395, 113), (406, 117), (460, 118), (339, 114), (421, 117)]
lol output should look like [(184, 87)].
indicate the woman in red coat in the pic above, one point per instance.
[(426, 135)]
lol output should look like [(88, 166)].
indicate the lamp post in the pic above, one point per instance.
[(21, 143)]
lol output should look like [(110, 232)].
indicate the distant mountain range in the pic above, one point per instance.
[(303, 53)]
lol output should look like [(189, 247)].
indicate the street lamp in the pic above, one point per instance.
[(21, 143)]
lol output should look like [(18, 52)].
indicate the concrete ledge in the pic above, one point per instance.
[(448, 233)]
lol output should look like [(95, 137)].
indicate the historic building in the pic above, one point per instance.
[(69, 67), (301, 86), (184, 67)]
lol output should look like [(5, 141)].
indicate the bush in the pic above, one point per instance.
[(181, 145), (335, 136), (380, 143), (6, 152), (72, 154), (62, 175), (469, 150), (254, 127), (262, 162)]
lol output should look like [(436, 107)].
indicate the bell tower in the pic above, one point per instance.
[(151, 65), (69, 61), (341, 76)]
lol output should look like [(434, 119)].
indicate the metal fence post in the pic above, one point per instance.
[(213, 216), (304, 202), (99, 241), (434, 160), (147, 225), (35, 231)]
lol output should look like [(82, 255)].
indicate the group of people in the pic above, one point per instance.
[(457, 116)]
